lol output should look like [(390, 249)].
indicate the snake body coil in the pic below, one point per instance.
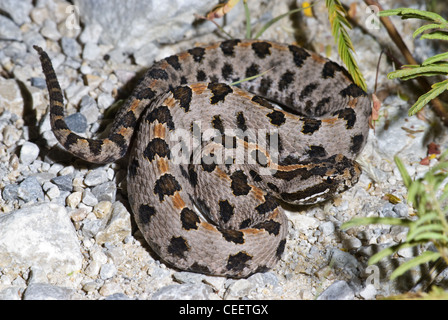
[(209, 160)]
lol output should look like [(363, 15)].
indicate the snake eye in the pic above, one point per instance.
[(329, 180)]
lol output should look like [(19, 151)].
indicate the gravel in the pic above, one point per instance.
[(338, 290), (66, 231)]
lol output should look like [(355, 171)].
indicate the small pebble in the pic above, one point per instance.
[(338, 290), (91, 51), (105, 100), (38, 82), (43, 291), (91, 33), (76, 91), (401, 209), (70, 47), (10, 293), (107, 271), (102, 209), (29, 152), (76, 122), (118, 296), (184, 292), (51, 190), (89, 109), (50, 30), (343, 260), (96, 177), (105, 191), (90, 286), (64, 182), (74, 199), (109, 288), (352, 243), (91, 227), (30, 190), (369, 292), (78, 215), (10, 192), (88, 198), (327, 228)]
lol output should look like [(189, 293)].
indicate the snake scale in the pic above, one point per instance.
[(210, 160)]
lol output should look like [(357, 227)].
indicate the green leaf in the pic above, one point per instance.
[(407, 13), (417, 71), (247, 14), (404, 173), (426, 256), (390, 12), (425, 232), (389, 251), (427, 27), (424, 99), (250, 78), (414, 190), (426, 74), (436, 35), (431, 236), (336, 16), (427, 217)]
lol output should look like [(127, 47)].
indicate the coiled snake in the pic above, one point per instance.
[(209, 160)]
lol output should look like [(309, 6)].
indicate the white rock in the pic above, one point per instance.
[(240, 288), (75, 92), (88, 198), (118, 227), (91, 33), (43, 291), (51, 190), (327, 228), (10, 293), (352, 243), (107, 271), (10, 96), (74, 199), (18, 10), (29, 152), (338, 290), (303, 222), (50, 30), (147, 23), (105, 100), (96, 177), (184, 291), (41, 235), (369, 292), (91, 51)]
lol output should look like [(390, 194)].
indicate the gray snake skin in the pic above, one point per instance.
[(209, 160)]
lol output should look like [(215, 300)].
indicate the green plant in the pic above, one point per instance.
[(434, 66), (339, 23), (428, 196)]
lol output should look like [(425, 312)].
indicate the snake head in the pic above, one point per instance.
[(317, 180)]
